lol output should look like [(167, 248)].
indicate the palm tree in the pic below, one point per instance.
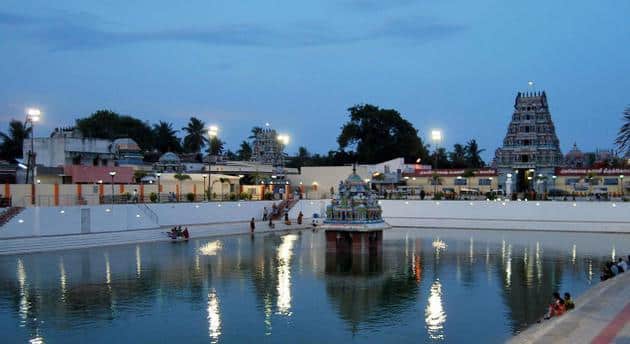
[(180, 177), (195, 135), (216, 146), (255, 132), (245, 151), (458, 156), (623, 138), (473, 154), (12, 143), (165, 138)]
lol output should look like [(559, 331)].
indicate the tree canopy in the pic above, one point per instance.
[(376, 135), (623, 137), (195, 135), (106, 124), (12, 142), (165, 139)]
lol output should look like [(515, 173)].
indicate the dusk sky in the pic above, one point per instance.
[(454, 65)]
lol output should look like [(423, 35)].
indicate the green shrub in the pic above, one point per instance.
[(438, 196), (245, 196), (268, 196), (233, 196), (491, 196), (153, 197), (190, 197)]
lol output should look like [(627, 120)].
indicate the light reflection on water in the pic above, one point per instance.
[(424, 285)]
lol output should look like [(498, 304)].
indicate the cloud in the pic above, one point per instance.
[(71, 33)]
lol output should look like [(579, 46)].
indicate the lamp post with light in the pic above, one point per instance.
[(621, 182), (283, 139), (204, 187), (213, 133), (32, 116), (112, 174), (436, 137), (158, 175)]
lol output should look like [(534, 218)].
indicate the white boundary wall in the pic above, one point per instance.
[(545, 216), (43, 221)]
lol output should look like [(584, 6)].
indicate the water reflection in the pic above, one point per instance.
[(435, 316), (278, 285), (214, 317), (285, 252)]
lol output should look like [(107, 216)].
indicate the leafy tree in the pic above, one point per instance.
[(458, 156), (245, 151), (12, 142), (302, 157), (473, 155), (216, 146), (165, 138), (231, 155), (442, 158), (106, 124), (379, 134), (623, 137), (195, 135)]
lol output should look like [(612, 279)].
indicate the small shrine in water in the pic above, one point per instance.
[(354, 216)]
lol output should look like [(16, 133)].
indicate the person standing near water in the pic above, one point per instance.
[(252, 225)]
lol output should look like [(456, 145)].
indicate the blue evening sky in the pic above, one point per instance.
[(454, 64)]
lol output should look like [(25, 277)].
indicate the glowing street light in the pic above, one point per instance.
[(33, 115), (213, 132), (436, 137), (112, 174), (284, 139)]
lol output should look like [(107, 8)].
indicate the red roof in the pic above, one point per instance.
[(92, 174)]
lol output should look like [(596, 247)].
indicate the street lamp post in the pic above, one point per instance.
[(32, 115), (436, 137), (204, 187), (159, 187), (112, 174), (621, 182), (283, 139), (553, 178), (213, 132)]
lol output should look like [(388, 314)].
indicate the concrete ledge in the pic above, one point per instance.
[(594, 311), (76, 241)]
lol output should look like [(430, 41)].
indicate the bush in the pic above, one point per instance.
[(438, 196), (491, 196), (245, 196), (153, 197), (190, 197), (268, 196), (233, 197)]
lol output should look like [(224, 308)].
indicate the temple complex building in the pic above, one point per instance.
[(530, 148)]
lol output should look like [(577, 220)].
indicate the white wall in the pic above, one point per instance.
[(325, 177), (213, 212), (556, 216)]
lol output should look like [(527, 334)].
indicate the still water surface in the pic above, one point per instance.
[(424, 286)]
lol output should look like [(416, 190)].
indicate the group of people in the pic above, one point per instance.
[(177, 232), (612, 269), (559, 305), (269, 218)]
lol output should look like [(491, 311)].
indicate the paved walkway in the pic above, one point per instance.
[(602, 315), (74, 241)]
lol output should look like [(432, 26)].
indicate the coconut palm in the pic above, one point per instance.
[(195, 135), (165, 138), (623, 138), (216, 146), (12, 143), (473, 155)]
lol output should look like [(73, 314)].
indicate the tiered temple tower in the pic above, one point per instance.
[(267, 149), (531, 149)]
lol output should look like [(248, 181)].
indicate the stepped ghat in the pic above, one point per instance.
[(354, 219)]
